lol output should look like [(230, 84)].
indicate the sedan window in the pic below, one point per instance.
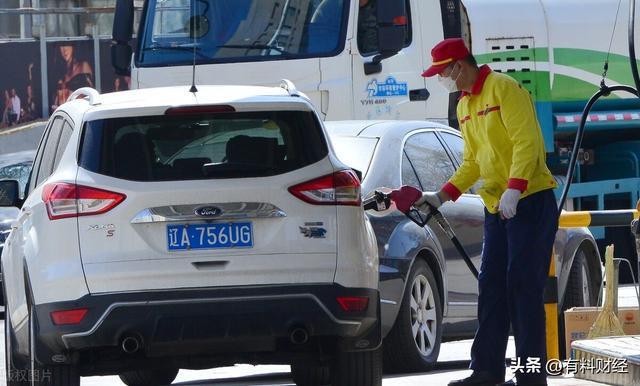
[(456, 144), (431, 162)]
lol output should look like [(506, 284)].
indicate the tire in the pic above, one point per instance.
[(16, 370), (149, 377), (413, 344), (580, 291), (306, 374), (49, 375), (360, 368)]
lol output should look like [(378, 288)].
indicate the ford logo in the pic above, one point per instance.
[(208, 211)]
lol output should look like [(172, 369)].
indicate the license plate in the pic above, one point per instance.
[(209, 236)]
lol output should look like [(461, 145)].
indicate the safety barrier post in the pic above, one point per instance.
[(551, 311)]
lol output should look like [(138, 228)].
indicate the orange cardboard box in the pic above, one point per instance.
[(578, 322)]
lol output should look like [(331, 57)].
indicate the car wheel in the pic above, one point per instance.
[(579, 292), (413, 344), (310, 374), (359, 368), (149, 377), (49, 375), (16, 370)]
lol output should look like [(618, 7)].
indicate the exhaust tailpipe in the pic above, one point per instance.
[(131, 344), (299, 335)]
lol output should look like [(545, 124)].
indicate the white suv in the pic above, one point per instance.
[(165, 229)]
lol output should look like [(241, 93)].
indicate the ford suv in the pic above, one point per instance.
[(166, 229)]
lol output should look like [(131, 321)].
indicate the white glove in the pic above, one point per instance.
[(432, 198), (509, 203)]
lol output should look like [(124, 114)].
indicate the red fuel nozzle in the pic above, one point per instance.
[(405, 197)]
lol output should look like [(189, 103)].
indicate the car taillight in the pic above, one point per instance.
[(340, 188), (353, 303), (65, 200), (66, 317)]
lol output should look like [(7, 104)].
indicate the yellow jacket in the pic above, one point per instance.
[(503, 142)]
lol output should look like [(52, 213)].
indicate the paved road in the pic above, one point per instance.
[(454, 357)]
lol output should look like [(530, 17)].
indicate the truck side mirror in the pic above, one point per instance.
[(392, 32), (392, 26), (121, 58), (122, 33), (9, 193)]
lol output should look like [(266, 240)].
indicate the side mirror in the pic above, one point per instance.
[(9, 193), (392, 32), (122, 33), (121, 58), (392, 26), (123, 21)]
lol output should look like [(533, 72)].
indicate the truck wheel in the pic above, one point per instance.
[(413, 344), (579, 292), (359, 368), (149, 377), (309, 374)]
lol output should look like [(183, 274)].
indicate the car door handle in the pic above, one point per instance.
[(421, 94)]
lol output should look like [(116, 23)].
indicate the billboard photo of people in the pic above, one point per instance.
[(21, 92), (71, 67)]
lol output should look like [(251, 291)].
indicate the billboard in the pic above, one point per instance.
[(20, 83), (70, 67)]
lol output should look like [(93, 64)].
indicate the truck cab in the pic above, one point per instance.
[(358, 58)]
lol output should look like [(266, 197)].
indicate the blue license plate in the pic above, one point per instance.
[(209, 236)]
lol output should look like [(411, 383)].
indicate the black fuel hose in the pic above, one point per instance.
[(604, 91), (632, 45)]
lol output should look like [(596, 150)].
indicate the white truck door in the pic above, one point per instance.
[(398, 91)]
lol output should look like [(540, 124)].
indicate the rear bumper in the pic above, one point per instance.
[(208, 322)]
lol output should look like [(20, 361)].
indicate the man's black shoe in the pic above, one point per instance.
[(478, 378)]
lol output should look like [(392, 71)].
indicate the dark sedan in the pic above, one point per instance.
[(428, 293)]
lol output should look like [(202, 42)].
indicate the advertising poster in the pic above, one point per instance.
[(20, 83), (71, 66)]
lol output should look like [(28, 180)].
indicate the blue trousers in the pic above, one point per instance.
[(516, 255)]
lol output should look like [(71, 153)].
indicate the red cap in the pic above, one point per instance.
[(445, 53)]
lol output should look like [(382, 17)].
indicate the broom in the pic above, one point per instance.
[(607, 322)]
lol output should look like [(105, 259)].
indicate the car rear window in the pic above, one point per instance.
[(202, 146)]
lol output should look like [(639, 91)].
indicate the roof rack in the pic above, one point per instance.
[(290, 87), (83, 92)]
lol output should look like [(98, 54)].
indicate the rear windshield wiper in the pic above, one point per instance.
[(282, 51), (186, 48)]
